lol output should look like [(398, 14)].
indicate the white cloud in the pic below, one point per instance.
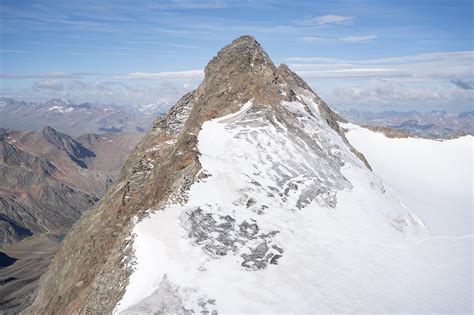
[(162, 91), (358, 39), (440, 80), (447, 66), (49, 85), (158, 92), (312, 59), (328, 70), (465, 56), (328, 19), (47, 75), (400, 96), (420, 81), (189, 74), (198, 5), (348, 73)]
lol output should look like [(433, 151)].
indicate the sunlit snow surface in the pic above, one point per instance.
[(289, 221), (433, 177)]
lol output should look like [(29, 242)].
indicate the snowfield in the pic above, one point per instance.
[(432, 177), (290, 221)]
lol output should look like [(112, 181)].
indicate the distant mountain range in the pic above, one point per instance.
[(434, 124), (77, 119)]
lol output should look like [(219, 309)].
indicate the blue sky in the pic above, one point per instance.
[(367, 54)]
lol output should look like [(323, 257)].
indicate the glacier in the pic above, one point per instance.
[(288, 220)]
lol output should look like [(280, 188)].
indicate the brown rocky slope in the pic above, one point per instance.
[(47, 180)]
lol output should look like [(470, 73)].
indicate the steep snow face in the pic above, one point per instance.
[(432, 177), (288, 220)]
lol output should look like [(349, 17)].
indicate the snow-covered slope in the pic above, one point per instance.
[(289, 220), (432, 177)]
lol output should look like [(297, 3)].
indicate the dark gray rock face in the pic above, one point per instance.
[(222, 235)]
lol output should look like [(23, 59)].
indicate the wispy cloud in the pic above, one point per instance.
[(464, 56), (311, 39), (106, 91), (447, 66), (189, 5), (327, 19), (48, 75), (49, 85), (312, 59), (189, 74), (358, 39), (350, 73), (430, 80), (12, 51), (379, 94)]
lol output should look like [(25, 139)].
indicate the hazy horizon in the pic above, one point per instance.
[(373, 56)]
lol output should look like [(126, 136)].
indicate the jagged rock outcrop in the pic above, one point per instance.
[(74, 149), (92, 269)]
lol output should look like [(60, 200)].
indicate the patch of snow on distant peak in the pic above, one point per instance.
[(60, 109)]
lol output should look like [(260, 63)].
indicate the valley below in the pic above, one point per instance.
[(48, 180)]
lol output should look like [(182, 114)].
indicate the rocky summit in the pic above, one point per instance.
[(244, 198)]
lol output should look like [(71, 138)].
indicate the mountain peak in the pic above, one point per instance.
[(49, 130), (241, 71), (243, 57), (246, 39), (74, 149), (270, 118)]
